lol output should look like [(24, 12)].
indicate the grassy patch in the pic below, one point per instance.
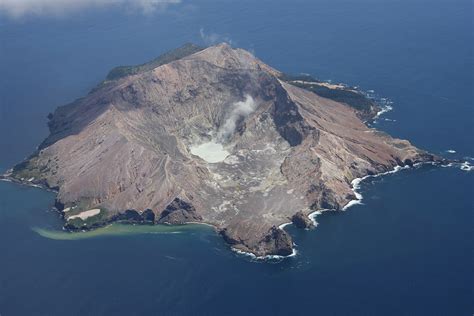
[(90, 222), (352, 98), (181, 52), (29, 169)]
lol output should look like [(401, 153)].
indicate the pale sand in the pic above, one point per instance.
[(86, 214)]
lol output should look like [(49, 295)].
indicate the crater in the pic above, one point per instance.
[(211, 152)]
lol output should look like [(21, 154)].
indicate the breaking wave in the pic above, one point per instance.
[(466, 166), (267, 257), (356, 185)]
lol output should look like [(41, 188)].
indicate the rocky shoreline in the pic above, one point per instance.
[(181, 213), (293, 145)]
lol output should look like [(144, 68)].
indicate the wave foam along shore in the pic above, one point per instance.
[(462, 165), (466, 166), (282, 226), (312, 216), (267, 257), (356, 185), (385, 109)]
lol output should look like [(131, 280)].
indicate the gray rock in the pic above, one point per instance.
[(301, 220), (179, 212), (128, 145)]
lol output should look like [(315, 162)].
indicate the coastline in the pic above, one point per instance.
[(266, 257), (372, 108), (113, 229), (357, 181), (7, 178), (384, 106), (356, 184), (313, 215), (383, 109)]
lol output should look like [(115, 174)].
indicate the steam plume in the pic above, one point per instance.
[(240, 110)]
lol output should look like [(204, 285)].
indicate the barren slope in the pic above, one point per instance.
[(127, 146)]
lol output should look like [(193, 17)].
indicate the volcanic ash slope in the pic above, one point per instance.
[(217, 137)]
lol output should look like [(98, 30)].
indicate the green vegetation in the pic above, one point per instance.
[(300, 77), (401, 145), (181, 52), (88, 223), (28, 169), (381, 133), (351, 97)]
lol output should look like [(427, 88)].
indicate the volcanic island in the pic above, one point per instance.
[(212, 135)]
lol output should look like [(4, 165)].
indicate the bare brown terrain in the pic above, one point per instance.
[(273, 150)]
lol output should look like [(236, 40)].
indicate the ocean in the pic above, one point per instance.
[(406, 250)]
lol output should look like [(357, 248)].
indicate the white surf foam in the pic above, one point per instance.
[(383, 110), (356, 185), (312, 216), (284, 225), (466, 166), (451, 151), (267, 257), (352, 203)]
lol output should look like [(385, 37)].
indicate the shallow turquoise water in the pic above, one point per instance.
[(387, 256), (407, 250)]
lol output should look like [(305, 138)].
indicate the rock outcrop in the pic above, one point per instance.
[(179, 212), (301, 220), (127, 147)]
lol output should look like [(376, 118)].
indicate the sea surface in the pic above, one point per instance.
[(407, 250)]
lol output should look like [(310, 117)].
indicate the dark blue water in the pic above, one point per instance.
[(407, 251)]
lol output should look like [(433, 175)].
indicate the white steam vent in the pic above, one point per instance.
[(214, 151), (240, 109)]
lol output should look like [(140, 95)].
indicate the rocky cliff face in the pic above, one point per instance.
[(137, 143)]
